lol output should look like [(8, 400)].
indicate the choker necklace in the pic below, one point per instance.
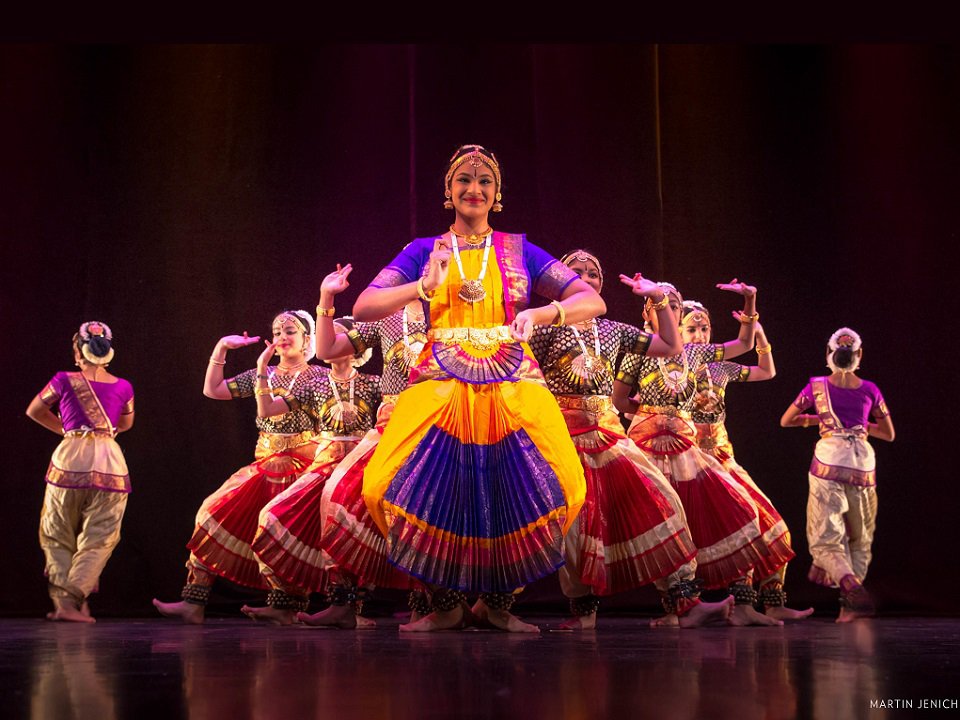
[(298, 368), (471, 291), (473, 238), (586, 365), (345, 413)]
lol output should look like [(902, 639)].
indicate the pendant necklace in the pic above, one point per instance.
[(675, 381), (586, 365), (472, 291), (345, 412), (411, 350)]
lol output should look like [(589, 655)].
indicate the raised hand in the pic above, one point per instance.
[(232, 342), (336, 282), (438, 265), (640, 285), (740, 288), (268, 351)]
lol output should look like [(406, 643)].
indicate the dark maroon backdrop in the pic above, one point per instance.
[(180, 193)]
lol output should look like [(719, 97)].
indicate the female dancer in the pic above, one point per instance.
[(632, 529), (709, 416), (287, 543), (475, 478), (227, 519), (842, 506), (351, 541), (722, 516), (87, 480)]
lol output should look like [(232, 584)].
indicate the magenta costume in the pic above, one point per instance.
[(87, 483), (842, 505)]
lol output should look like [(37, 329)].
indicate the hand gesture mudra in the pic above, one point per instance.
[(438, 264), (270, 348), (232, 342), (639, 285), (336, 282), (740, 288)]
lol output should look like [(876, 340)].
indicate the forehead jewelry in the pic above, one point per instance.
[(583, 256), (476, 157)]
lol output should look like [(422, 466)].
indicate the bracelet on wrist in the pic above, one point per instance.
[(661, 304), (561, 313), (746, 319), (765, 350), (325, 312), (217, 362), (422, 291)]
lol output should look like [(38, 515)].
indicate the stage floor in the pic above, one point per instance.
[(233, 669)]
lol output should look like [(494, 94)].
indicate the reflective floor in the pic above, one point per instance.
[(233, 669)]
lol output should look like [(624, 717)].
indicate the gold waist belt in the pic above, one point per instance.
[(87, 433), (847, 433), (330, 435), (278, 442), (668, 410), (591, 403), (483, 338)]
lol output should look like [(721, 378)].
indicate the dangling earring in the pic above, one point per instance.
[(447, 204), (497, 207)]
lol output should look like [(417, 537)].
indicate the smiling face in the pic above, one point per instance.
[(588, 272), (473, 190), (292, 339)]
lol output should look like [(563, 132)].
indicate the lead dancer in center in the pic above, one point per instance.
[(475, 479)]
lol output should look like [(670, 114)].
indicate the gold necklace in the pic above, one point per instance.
[(286, 370), (473, 238)]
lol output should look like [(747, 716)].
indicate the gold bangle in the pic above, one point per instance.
[(561, 313), (324, 312), (661, 304), (217, 362), (262, 391), (422, 291), (765, 350), (745, 319)]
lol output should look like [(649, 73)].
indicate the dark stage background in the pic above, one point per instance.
[(180, 193)]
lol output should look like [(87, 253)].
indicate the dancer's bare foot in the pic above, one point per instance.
[(743, 615), (337, 616), (190, 613), (501, 619), (85, 608), (455, 619), (270, 614), (66, 611), (579, 622), (669, 620), (704, 613), (782, 612)]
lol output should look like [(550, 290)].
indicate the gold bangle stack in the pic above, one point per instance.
[(745, 319), (765, 350), (217, 362), (325, 312), (662, 304), (422, 291), (561, 314)]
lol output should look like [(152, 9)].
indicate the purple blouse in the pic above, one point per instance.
[(852, 406), (116, 399)]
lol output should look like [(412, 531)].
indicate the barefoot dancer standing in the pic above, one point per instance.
[(87, 480)]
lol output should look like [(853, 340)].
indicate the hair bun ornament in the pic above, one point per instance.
[(310, 351), (844, 338), (95, 341)]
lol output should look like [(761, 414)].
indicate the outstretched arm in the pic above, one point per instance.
[(666, 342), (330, 343), (214, 384)]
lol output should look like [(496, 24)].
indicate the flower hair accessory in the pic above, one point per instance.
[(844, 337), (95, 336)]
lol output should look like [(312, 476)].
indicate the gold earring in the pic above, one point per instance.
[(497, 207), (447, 204)]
